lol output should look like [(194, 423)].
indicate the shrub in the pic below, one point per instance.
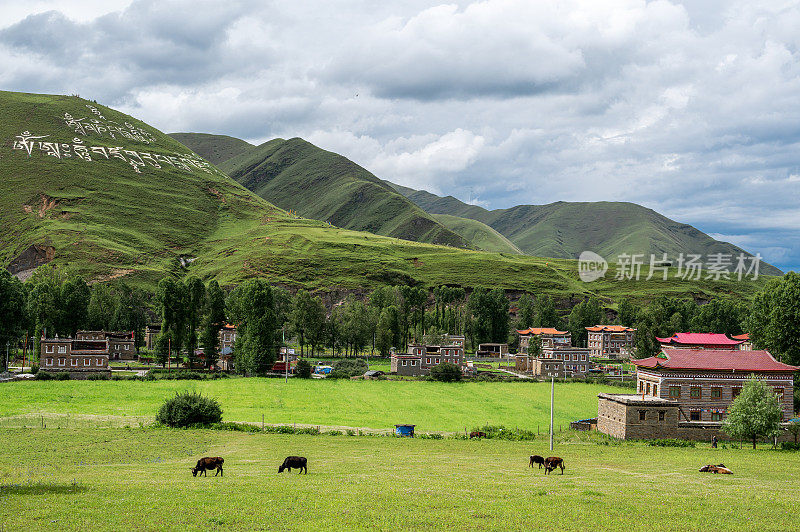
[(303, 369), (235, 427), (669, 442), (431, 436), (42, 375), (35, 369), (334, 433), (187, 409), (350, 366), (502, 433), (790, 446), (446, 372), (336, 374)]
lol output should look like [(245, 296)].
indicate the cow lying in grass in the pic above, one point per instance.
[(297, 462), (477, 434), (717, 469), (536, 459), (553, 462), (208, 463)]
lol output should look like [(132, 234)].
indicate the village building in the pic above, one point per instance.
[(698, 341), (121, 345), (686, 393), (611, 341), (559, 362), (492, 350), (78, 357), (227, 336), (549, 336), (746, 344), (151, 332), (421, 358)]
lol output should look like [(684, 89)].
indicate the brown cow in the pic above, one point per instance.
[(536, 459), (477, 434), (717, 469), (552, 462), (208, 463)]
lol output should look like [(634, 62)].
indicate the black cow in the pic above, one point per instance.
[(552, 462), (477, 434), (536, 459), (297, 462), (208, 463)]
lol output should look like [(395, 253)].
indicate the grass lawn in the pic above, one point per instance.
[(376, 404), (118, 479)]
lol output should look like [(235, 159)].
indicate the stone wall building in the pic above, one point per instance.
[(492, 350), (550, 338), (421, 358), (559, 362), (121, 345), (611, 341), (78, 357), (686, 393)]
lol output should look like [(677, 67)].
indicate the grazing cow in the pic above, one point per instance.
[(717, 469), (552, 462), (536, 459), (477, 434), (297, 462), (208, 463)]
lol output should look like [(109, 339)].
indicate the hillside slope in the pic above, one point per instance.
[(86, 187), (565, 229), (478, 233), (298, 176), (213, 148)]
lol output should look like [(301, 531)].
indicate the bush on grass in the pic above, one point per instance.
[(790, 446), (446, 372), (189, 409), (670, 442), (42, 375), (500, 432), (351, 367), (303, 369)]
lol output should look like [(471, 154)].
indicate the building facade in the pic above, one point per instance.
[(227, 336), (550, 338), (78, 357), (492, 350), (611, 341), (421, 358), (559, 362), (121, 345)]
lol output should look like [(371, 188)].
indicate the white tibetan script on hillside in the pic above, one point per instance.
[(77, 150), (102, 127)]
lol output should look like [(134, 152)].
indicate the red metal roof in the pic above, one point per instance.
[(715, 359), (743, 337), (699, 339)]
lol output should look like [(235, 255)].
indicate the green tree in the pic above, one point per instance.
[(720, 316), (43, 305), (12, 311), (102, 306), (303, 369), (213, 321), (446, 372), (774, 320), (384, 334), (755, 412), (662, 318), (74, 305), (627, 313), (171, 304), (546, 314), (252, 307), (584, 314), (526, 312), (194, 299), (301, 316)]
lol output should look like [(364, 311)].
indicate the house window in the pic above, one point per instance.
[(49, 361), (405, 362), (74, 361), (655, 390), (641, 386), (62, 349), (62, 362), (694, 415), (661, 415), (413, 362), (735, 392), (716, 416), (695, 392), (99, 362), (647, 389), (49, 349), (583, 357), (127, 347), (716, 392), (779, 393), (674, 392), (87, 362), (642, 415)]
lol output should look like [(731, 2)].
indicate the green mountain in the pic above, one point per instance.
[(213, 148), (300, 177), (565, 229), (478, 234)]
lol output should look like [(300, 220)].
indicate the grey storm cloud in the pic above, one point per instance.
[(687, 108)]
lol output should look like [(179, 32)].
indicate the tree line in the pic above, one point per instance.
[(192, 312)]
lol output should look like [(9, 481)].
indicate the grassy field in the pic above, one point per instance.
[(118, 479), (431, 406)]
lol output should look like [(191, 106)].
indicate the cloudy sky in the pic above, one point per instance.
[(692, 109)]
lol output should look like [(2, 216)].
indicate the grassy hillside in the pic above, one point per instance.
[(565, 229), (213, 148), (478, 233), (298, 176), (105, 220)]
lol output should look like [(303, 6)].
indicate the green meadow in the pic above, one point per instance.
[(140, 479), (432, 406)]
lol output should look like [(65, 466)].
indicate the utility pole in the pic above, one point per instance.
[(169, 353), (7, 355), (286, 354), (552, 393)]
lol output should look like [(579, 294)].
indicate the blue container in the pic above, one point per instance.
[(404, 430)]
